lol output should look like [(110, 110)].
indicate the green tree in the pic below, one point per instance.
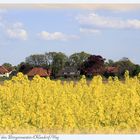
[(8, 66), (76, 59), (49, 57), (24, 67), (110, 62), (36, 60), (136, 70), (56, 61), (123, 65)]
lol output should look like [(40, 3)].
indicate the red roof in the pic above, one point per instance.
[(9, 69), (112, 69), (3, 70), (38, 71)]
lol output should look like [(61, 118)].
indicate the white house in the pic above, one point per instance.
[(4, 72)]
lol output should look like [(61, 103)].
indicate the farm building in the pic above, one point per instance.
[(111, 71), (68, 72), (4, 72), (38, 71)]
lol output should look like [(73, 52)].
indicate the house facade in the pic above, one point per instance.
[(68, 72), (4, 72)]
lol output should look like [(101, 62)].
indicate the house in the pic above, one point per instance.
[(111, 71), (39, 71), (68, 72), (4, 72)]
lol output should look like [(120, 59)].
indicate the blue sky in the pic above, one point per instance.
[(112, 33)]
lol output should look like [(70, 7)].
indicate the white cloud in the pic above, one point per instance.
[(88, 30), (56, 36), (18, 25), (16, 31), (108, 22), (12, 30)]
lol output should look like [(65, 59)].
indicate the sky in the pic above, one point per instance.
[(107, 31)]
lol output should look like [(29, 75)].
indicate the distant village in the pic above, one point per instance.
[(58, 65)]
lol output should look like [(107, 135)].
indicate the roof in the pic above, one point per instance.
[(112, 69), (68, 70), (3, 70), (38, 71), (9, 69)]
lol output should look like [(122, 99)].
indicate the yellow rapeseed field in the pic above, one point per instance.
[(42, 105)]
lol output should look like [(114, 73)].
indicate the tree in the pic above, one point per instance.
[(24, 67), (52, 60), (49, 57), (36, 60), (110, 62), (8, 66), (93, 66), (58, 63), (136, 70), (76, 59), (123, 65)]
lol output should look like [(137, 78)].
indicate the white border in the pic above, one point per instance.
[(66, 1), (67, 137), (79, 137)]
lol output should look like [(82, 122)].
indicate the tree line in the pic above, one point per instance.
[(86, 63)]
